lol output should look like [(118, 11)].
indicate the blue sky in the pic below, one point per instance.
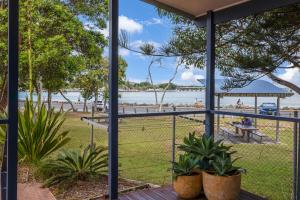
[(143, 24)]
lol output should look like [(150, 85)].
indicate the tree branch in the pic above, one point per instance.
[(284, 82)]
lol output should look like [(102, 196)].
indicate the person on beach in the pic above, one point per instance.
[(239, 103)]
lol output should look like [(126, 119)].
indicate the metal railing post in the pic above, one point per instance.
[(298, 164), (173, 140), (295, 157)]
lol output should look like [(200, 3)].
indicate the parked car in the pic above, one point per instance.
[(268, 109), (99, 105)]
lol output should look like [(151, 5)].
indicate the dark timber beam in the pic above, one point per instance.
[(210, 74), (113, 98), (12, 134), (245, 9)]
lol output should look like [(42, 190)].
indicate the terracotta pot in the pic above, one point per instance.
[(221, 187), (188, 187)]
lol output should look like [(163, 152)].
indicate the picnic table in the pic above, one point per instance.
[(246, 130)]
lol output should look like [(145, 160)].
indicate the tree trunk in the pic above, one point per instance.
[(105, 99), (151, 81), (68, 100), (29, 48), (84, 106), (168, 85), (49, 100), (284, 83)]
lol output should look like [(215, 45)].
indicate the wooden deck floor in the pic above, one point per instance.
[(167, 193)]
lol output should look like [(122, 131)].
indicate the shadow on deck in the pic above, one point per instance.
[(167, 193)]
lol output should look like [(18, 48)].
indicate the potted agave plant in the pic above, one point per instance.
[(224, 181), (204, 149), (187, 183)]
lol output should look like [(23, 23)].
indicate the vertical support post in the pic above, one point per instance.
[(92, 128), (113, 98), (173, 140), (297, 190), (255, 110), (210, 75), (277, 121), (295, 157), (218, 117), (12, 134)]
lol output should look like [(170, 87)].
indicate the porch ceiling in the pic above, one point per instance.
[(195, 8), (224, 10)]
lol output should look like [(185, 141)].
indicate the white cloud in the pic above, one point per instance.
[(124, 52), (126, 24), (129, 25), (138, 43), (190, 76), (153, 21), (187, 75), (291, 75)]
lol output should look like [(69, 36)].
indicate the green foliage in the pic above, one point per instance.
[(2, 127), (223, 165), (73, 165), (185, 165), (204, 148), (39, 132), (61, 43), (247, 48)]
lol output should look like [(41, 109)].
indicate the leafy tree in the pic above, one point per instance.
[(246, 49), (55, 42), (95, 78), (88, 83)]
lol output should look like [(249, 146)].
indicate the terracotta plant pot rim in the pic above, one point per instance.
[(194, 174), (212, 174)]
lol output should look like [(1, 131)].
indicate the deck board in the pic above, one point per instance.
[(167, 193)]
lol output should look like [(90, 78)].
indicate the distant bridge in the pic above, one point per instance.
[(190, 88)]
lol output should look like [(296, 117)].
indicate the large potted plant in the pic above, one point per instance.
[(187, 183), (203, 148), (224, 181)]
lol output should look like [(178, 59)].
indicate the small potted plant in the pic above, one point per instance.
[(187, 183), (224, 181)]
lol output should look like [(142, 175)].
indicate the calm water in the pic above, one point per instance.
[(176, 98)]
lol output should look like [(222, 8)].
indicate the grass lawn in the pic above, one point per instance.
[(145, 151)]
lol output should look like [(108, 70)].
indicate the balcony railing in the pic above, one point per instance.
[(147, 145)]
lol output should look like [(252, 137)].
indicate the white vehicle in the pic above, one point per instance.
[(99, 105)]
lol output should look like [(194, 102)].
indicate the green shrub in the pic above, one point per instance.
[(73, 165), (39, 132)]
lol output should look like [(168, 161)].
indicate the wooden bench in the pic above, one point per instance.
[(225, 131), (260, 135)]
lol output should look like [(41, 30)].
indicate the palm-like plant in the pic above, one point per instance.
[(185, 165), (223, 165), (39, 132), (204, 148), (76, 165)]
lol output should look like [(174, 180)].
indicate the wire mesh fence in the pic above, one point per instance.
[(267, 152)]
